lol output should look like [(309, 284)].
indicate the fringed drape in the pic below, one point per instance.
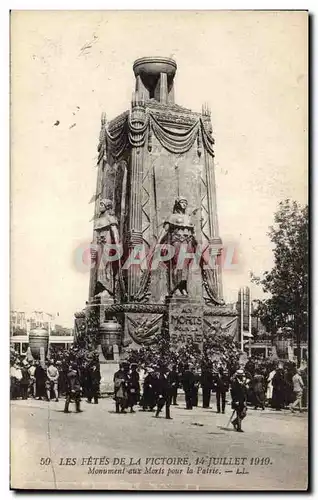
[(134, 134), (207, 138), (175, 141), (118, 142)]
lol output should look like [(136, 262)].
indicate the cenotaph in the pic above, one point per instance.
[(155, 207)]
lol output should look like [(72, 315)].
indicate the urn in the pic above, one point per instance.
[(110, 333), (38, 337), (282, 348)]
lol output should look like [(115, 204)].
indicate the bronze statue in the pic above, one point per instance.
[(106, 231)]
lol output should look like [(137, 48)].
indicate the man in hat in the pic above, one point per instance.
[(93, 378), (207, 381), (239, 397), (133, 387), (32, 378), (221, 386), (121, 387), (173, 379), (52, 374), (148, 396), (188, 384), (40, 380), (298, 386), (25, 381), (73, 392), (163, 392)]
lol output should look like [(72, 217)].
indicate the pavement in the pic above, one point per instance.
[(196, 450)]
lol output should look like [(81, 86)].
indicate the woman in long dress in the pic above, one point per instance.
[(258, 390)]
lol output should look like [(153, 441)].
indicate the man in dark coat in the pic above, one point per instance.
[(25, 381), (188, 382), (133, 387), (121, 387), (206, 383), (62, 378), (196, 385), (239, 397), (163, 392), (40, 379), (221, 388), (92, 382), (173, 379), (278, 384), (149, 396), (73, 392), (258, 386)]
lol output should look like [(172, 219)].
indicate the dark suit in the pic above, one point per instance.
[(73, 390), (173, 379), (133, 389), (163, 394), (40, 378), (239, 398), (206, 384), (149, 397), (92, 383), (188, 382), (221, 386)]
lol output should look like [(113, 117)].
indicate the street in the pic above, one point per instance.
[(99, 449)]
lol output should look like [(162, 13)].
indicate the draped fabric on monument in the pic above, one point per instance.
[(175, 141), (133, 131), (118, 142)]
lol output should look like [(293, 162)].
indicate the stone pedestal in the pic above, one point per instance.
[(185, 320), (101, 356), (105, 301), (42, 357), (116, 353), (107, 370)]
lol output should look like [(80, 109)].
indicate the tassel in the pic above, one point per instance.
[(149, 139), (199, 150)]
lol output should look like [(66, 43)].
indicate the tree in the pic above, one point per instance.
[(287, 282)]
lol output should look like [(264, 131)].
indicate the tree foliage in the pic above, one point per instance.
[(287, 282)]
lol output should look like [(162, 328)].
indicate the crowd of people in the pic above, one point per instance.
[(276, 384), (259, 384), (154, 386), (72, 374)]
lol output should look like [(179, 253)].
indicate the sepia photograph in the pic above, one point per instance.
[(159, 330)]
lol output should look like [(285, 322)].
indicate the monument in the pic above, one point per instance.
[(156, 245)]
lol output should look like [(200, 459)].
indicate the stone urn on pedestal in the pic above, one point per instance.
[(283, 343), (38, 340), (110, 335)]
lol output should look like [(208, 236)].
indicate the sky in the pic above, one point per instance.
[(251, 67)]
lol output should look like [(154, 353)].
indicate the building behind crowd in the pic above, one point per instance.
[(21, 323)]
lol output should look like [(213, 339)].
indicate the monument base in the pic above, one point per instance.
[(185, 320)]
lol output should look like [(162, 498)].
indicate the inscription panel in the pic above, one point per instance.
[(185, 321)]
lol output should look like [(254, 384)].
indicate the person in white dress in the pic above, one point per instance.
[(269, 392)]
